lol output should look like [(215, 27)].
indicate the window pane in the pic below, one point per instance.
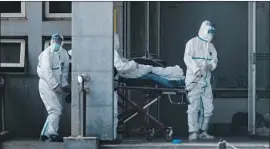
[(60, 7), (67, 46), (138, 32), (10, 52), (10, 7)]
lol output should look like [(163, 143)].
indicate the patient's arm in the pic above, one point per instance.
[(122, 64)]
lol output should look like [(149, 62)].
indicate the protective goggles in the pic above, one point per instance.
[(211, 31), (56, 38)]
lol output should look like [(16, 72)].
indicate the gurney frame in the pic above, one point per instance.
[(150, 91)]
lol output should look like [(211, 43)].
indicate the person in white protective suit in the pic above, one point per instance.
[(201, 59), (53, 69)]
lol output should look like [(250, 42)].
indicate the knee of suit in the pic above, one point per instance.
[(56, 112), (208, 110), (208, 113)]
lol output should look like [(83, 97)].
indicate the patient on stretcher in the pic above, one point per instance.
[(132, 70), (169, 73), (168, 77)]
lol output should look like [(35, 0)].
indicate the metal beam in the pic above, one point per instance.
[(251, 67), (158, 30), (128, 29), (147, 27)]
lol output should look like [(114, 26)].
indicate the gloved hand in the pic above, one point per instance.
[(58, 89), (199, 73), (66, 89), (209, 67), (68, 98)]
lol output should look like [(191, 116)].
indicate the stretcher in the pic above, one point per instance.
[(154, 88)]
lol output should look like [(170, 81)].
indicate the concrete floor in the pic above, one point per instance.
[(241, 143)]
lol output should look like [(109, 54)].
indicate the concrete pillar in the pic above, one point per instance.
[(92, 55), (252, 67)]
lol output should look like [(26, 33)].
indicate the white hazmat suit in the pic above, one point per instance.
[(201, 59), (52, 69)]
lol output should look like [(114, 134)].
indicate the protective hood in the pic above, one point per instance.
[(206, 31)]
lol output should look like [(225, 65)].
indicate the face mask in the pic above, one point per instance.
[(55, 47)]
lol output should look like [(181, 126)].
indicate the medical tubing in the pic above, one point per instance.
[(194, 82), (230, 145)]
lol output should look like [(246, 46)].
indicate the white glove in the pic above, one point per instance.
[(198, 73), (209, 66), (58, 89)]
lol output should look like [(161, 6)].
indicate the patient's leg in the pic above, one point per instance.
[(170, 73)]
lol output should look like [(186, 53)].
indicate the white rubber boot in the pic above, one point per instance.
[(193, 136), (205, 136)]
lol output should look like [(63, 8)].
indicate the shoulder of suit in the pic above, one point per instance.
[(191, 40), (211, 44), (47, 50), (63, 50)]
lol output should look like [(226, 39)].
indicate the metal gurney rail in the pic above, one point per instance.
[(163, 91)]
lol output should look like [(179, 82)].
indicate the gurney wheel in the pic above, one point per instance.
[(150, 134), (168, 134)]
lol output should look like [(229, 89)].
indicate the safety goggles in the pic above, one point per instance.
[(212, 30), (57, 41), (56, 38)]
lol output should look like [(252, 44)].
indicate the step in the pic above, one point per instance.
[(181, 146), (159, 144), (31, 144), (142, 144)]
